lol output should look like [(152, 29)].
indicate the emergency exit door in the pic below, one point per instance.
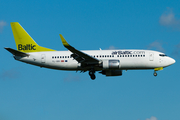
[(151, 56), (43, 58)]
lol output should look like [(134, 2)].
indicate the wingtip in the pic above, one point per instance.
[(63, 40)]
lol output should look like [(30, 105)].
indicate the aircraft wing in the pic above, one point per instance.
[(78, 55)]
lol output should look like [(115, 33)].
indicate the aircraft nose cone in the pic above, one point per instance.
[(172, 61)]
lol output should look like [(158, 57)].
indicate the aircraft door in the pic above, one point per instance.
[(151, 56), (43, 58)]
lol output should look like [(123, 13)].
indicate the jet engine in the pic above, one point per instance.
[(111, 72), (111, 64)]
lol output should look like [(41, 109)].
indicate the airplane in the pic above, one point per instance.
[(106, 62)]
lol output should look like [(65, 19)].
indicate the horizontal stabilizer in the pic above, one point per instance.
[(16, 53)]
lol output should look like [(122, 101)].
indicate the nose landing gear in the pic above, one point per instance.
[(157, 69)]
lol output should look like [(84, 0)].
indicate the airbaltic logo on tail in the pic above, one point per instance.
[(26, 47)]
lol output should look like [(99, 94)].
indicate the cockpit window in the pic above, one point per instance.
[(162, 55)]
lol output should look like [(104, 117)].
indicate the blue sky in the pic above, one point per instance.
[(28, 92)]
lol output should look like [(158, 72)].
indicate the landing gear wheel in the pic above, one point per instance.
[(91, 73), (155, 74), (93, 77)]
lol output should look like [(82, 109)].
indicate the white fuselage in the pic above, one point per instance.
[(129, 59)]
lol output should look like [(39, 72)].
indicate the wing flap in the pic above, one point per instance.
[(78, 58)]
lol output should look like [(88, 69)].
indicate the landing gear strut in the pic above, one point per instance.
[(155, 74), (92, 75)]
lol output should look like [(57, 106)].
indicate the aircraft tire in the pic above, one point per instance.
[(155, 74), (91, 73), (93, 77)]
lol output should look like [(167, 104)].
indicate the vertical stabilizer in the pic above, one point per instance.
[(23, 40)]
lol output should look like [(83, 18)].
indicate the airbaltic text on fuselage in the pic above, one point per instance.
[(127, 52), (26, 47)]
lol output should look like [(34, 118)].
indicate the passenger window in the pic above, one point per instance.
[(162, 55)]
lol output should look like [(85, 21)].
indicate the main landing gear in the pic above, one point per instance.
[(155, 73), (92, 75)]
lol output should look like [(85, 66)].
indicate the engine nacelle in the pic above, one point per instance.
[(111, 72), (111, 64)]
